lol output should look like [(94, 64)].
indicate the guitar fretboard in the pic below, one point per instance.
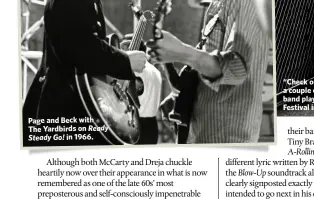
[(138, 35)]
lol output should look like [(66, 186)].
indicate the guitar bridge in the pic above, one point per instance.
[(122, 96), (130, 111), (117, 88)]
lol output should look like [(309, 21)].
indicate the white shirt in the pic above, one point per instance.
[(150, 99)]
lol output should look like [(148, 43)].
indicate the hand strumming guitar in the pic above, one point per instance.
[(171, 49), (139, 84), (137, 60)]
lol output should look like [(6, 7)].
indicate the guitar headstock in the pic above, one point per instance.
[(163, 9), (138, 12)]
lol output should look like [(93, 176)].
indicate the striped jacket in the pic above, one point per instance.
[(229, 110)]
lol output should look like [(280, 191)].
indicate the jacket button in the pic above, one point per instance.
[(96, 8), (98, 24), (41, 79)]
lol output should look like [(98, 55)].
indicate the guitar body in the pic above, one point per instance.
[(110, 102)]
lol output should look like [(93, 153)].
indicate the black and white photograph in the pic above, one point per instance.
[(148, 72), (295, 57)]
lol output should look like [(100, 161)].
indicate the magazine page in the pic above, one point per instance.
[(157, 99)]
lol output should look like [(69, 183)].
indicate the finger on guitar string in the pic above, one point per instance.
[(153, 52), (153, 60), (158, 33), (153, 56)]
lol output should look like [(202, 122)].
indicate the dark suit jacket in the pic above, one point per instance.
[(74, 38)]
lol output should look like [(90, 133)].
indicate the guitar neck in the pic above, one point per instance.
[(172, 77), (171, 73), (138, 35)]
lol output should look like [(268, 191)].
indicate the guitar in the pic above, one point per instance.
[(112, 102), (183, 86)]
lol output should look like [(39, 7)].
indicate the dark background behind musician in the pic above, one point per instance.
[(74, 40), (295, 48)]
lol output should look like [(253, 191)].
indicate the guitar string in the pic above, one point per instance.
[(138, 34), (132, 45), (135, 43), (137, 38)]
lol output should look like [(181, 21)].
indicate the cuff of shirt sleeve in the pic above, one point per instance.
[(234, 71)]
